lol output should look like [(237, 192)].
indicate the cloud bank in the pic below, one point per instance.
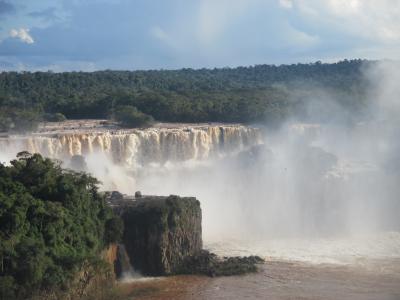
[(173, 34)]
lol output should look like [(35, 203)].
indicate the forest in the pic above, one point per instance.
[(260, 93), (53, 222)]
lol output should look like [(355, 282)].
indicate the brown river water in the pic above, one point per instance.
[(378, 279), (362, 267)]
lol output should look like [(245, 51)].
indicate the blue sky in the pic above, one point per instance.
[(153, 34)]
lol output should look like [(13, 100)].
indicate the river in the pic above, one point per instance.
[(372, 279)]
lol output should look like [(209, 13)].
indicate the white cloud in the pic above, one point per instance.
[(288, 4), (377, 20), (242, 31), (213, 32), (22, 34), (300, 39)]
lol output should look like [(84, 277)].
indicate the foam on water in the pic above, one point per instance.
[(334, 250), (139, 278)]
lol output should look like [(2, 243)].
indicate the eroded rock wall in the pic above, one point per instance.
[(160, 232)]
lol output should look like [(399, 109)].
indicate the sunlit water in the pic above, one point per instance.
[(334, 250)]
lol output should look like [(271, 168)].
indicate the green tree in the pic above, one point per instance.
[(130, 116), (57, 117), (52, 221)]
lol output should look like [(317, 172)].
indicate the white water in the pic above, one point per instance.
[(134, 148), (331, 250), (116, 156)]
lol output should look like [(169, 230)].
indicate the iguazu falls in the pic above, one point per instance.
[(199, 150), (172, 143)]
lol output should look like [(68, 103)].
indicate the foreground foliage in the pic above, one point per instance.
[(52, 223)]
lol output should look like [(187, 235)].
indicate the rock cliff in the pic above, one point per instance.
[(162, 236), (160, 232)]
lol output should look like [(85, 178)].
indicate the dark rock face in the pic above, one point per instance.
[(162, 236), (115, 195), (160, 232), (207, 263), (78, 163)]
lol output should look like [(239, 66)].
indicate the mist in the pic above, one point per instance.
[(307, 179)]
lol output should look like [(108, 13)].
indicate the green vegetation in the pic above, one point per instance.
[(129, 116), (52, 223), (19, 120), (57, 117), (245, 94)]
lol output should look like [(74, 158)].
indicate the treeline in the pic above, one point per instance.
[(53, 223), (244, 94)]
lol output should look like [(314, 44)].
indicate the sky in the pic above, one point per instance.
[(87, 35)]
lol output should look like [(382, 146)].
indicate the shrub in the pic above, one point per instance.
[(26, 120), (130, 116), (114, 230), (19, 120), (57, 117), (6, 121)]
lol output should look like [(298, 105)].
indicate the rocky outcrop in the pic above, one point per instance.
[(207, 263), (160, 232), (162, 236)]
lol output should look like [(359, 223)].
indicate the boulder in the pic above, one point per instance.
[(207, 263)]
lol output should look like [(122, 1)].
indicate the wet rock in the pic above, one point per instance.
[(316, 160), (162, 236), (207, 263), (160, 232), (115, 195), (255, 155), (78, 163)]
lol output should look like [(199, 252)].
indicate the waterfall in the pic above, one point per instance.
[(122, 265), (137, 146)]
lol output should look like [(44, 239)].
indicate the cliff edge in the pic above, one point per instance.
[(163, 236), (160, 232)]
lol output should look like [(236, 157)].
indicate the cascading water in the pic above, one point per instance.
[(138, 147)]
